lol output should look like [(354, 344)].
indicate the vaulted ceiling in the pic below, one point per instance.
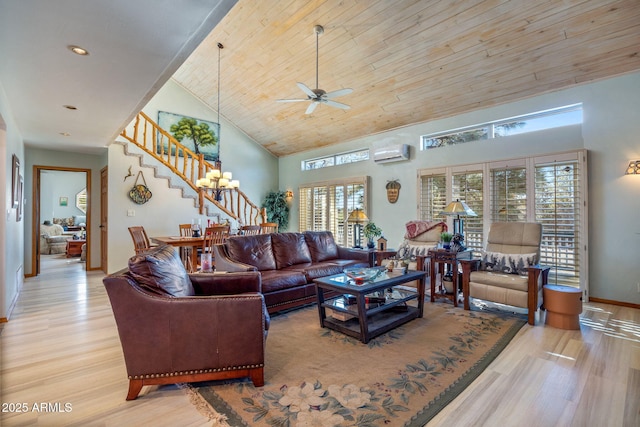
[(407, 61)]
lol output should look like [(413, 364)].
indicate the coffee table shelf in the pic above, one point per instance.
[(370, 319)]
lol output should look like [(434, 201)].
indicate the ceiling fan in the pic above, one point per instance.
[(317, 96)]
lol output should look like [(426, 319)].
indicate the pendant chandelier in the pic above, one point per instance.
[(215, 180)]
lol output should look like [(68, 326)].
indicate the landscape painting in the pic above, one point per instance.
[(199, 136)]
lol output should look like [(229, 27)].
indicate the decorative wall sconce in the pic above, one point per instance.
[(288, 195), (634, 168)]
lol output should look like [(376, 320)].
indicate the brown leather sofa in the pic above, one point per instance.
[(288, 263), (177, 327)]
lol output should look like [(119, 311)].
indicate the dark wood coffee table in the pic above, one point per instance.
[(364, 319)]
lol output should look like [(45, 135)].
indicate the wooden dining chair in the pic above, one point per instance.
[(268, 227), (185, 251), (250, 230), (185, 230), (140, 239), (214, 235)]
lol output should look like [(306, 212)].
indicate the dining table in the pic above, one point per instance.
[(180, 241)]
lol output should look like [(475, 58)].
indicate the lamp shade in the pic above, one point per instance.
[(357, 215), (458, 208)]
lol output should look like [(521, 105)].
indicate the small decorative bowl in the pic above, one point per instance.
[(360, 275)]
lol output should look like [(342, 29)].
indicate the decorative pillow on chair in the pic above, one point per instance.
[(161, 271), (508, 263), (409, 251)]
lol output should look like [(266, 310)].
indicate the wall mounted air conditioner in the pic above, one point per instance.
[(391, 153)]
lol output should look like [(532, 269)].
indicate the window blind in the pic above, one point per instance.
[(557, 208), (468, 187), (326, 206), (509, 195)]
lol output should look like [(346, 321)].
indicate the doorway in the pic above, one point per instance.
[(60, 195)]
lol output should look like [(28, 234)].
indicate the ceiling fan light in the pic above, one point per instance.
[(318, 95)]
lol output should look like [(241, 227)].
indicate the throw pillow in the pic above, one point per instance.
[(252, 250), (409, 251), (321, 245), (290, 249), (507, 263), (160, 271)]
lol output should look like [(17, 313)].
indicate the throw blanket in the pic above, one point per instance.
[(416, 228)]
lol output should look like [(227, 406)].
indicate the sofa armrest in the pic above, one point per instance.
[(226, 283), (225, 263), (356, 254)]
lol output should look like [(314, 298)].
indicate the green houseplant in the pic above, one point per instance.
[(371, 231), (446, 238), (275, 202)]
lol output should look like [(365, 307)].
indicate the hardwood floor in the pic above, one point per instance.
[(61, 347)]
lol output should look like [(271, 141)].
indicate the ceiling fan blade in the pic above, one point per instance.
[(293, 100), (336, 104), (311, 107), (337, 93), (306, 90)]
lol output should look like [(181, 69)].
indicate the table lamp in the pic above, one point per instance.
[(357, 217), (459, 209)]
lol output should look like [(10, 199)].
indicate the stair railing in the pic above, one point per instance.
[(190, 167)]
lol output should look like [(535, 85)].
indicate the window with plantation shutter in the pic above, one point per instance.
[(558, 209), (326, 206), (305, 206), (433, 197), (509, 194), (549, 189), (468, 187)]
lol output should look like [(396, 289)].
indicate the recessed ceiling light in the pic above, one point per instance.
[(65, 134), (70, 107), (78, 50)]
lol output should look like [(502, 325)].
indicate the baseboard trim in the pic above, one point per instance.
[(612, 302)]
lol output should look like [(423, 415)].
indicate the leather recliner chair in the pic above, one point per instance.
[(175, 327)]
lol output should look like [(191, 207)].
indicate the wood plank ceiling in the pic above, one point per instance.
[(407, 61)]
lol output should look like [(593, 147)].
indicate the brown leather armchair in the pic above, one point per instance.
[(175, 327)]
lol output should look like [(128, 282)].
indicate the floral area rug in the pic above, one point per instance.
[(320, 377)]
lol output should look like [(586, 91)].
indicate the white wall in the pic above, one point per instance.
[(11, 231), (55, 184), (611, 131), (256, 169), (52, 158)]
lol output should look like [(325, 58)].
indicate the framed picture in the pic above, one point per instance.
[(64, 201), (15, 182), (20, 200), (199, 136)]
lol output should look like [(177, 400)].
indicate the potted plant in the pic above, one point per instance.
[(446, 237), (371, 231), (275, 202)]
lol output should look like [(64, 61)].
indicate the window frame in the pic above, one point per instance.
[(334, 159), (488, 129)]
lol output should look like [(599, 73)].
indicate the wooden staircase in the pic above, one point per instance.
[(190, 167)]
